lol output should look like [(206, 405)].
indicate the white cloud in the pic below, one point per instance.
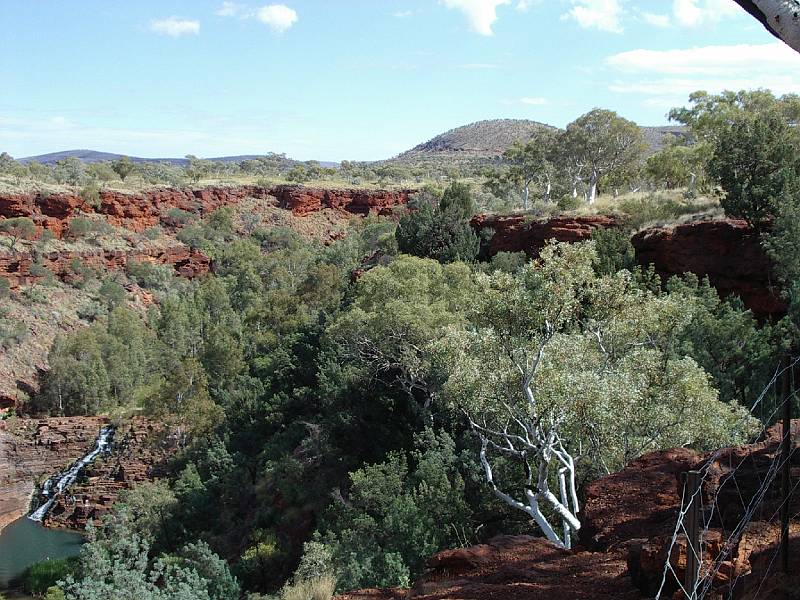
[(402, 14), (605, 15), (278, 17), (481, 14), (534, 101), (667, 74), (656, 20), (694, 13), (175, 27), (229, 9), (524, 5), (709, 60)]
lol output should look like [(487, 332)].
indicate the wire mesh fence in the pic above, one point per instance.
[(737, 534)]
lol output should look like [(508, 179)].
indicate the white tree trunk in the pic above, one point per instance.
[(592, 196), (780, 17)]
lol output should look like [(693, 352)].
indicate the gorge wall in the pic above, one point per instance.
[(518, 233), (139, 211), (727, 251)]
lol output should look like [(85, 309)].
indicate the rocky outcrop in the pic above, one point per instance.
[(741, 561), (728, 252), (517, 233), (17, 267), (524, 567), (135, 212), (303, 200), (33, 449)]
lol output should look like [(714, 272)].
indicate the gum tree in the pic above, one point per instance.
[(562, 370), (598, 144)]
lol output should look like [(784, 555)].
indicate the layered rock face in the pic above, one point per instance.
[(135, 212), (728, 252), (303, 200), (516, 233), (16, 268), (143, 210), (32, 449)]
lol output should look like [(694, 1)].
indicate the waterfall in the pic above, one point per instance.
[(59, 483)]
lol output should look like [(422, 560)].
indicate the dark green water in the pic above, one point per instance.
[(26, 542)]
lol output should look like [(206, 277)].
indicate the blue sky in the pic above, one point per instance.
[(354, 79)]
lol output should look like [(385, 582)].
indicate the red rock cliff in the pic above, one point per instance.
[(728, 252), (187, 262), (303, 200), (140, 211), (516, 233)]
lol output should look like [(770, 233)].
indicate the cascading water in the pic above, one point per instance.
[(59, 483)]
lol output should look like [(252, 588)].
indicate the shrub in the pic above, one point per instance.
[(179, 216), (508, 262), (12, 333), (34, 295), (80, 227), (149, 275), (567, 203), (91, 194), (111, 293), (152, 233), (18, 228), (614, 251), (5, 287), (39, 578)]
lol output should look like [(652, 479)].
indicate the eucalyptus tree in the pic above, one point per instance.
[(562, 369), (525, 165), (598, 144)]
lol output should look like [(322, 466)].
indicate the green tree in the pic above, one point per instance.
[(77, 383), (755, 161), (182, 399), (123, 167), (69, 170), (196, 169), (678, 165), (440, 231), (398, 513)]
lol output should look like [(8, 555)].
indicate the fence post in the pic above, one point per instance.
[(787, 392), (693, 542)]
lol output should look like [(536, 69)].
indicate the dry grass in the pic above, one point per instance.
[(319, 588)]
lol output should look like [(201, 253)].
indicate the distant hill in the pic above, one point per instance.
[(482, 143), (94, 156), (485, 139)]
